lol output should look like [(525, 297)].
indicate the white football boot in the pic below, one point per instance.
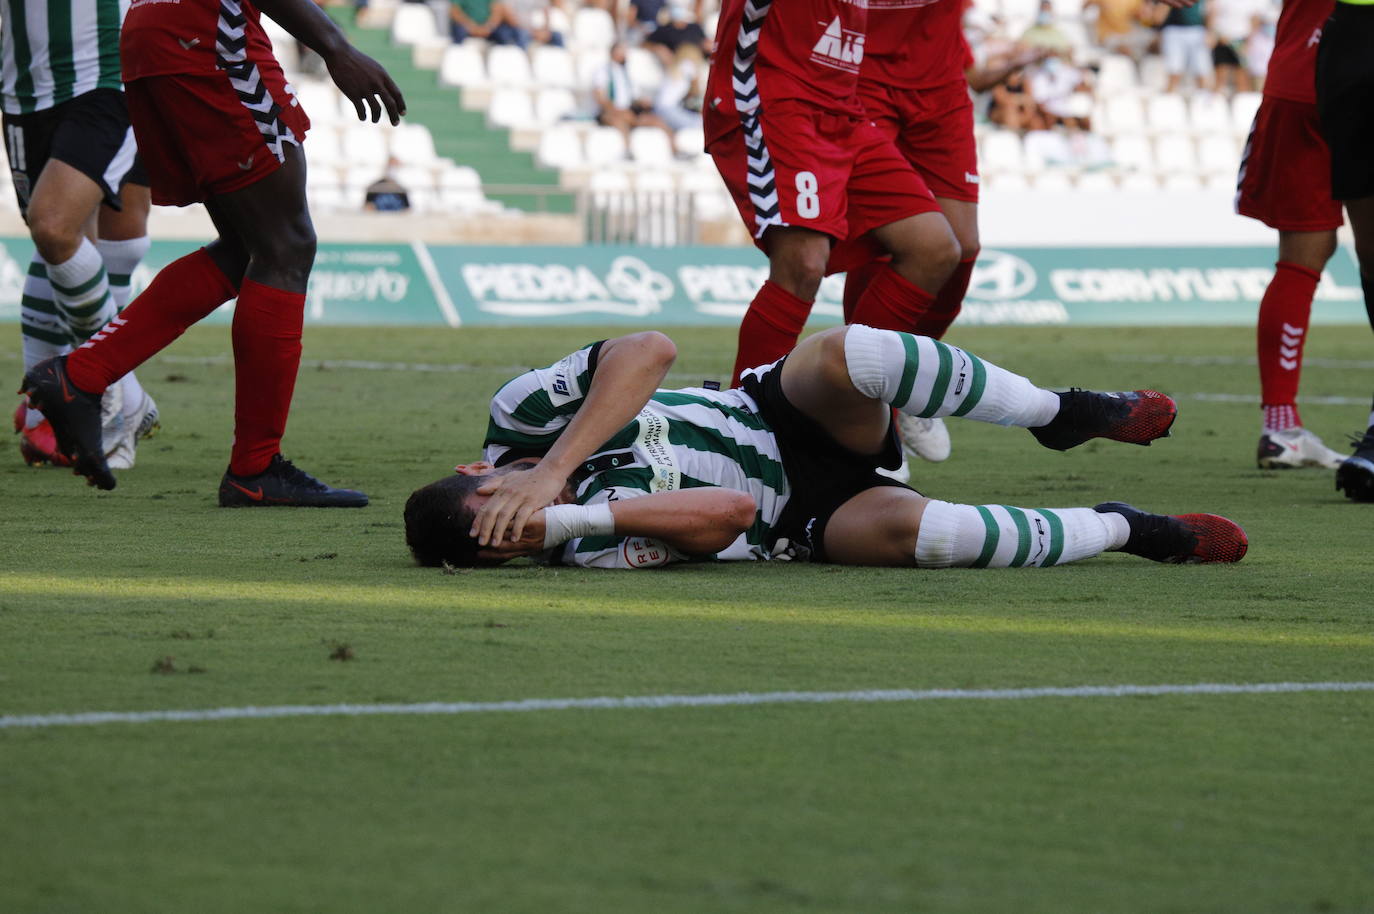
[(924, 438), (1295, 447), (120, 447)]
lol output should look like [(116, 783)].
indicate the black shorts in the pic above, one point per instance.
[(1345, 86), (823, 474), (91, 133), (1224, 54)]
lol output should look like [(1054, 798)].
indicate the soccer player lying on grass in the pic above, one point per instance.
[(617, 473)]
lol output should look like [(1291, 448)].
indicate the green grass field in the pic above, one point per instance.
[(1185, 803)]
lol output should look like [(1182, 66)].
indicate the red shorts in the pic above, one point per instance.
[(825, 172), (1285, 171), (933, 128), (198, 137)]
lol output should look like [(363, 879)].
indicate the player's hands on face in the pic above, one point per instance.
[(366, 84), (531, 542), (515, 497)]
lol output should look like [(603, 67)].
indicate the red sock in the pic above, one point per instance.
[(182, 293), (891, 302), (267, 353), (855, 285), (770, 328), (948, 302), (1284, 313)]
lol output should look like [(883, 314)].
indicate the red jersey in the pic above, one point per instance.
[(775, 50), (915, 44), (189, 37), (1293, 66)]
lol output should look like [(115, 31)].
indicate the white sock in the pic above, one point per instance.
[(133, 395), (925, 377), (998, 536), (121, 259), (82, 291)]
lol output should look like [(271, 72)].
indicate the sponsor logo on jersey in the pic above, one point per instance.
[(563, 388), (839, 47)]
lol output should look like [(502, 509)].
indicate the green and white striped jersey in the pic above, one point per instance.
[(55, 50), (680, 440)]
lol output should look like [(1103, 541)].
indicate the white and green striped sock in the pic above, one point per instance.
[(998, 536), (121, 259), (42, 330), (925, 377), (81, 290)]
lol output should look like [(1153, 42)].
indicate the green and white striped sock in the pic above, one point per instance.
[(42, 330), (81, 289), (121, 259), (999, 536), (925, 377)]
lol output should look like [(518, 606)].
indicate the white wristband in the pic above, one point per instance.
[(568, 522)]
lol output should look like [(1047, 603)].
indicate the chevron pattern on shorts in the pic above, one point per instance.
[(763, 187), (231, 50)]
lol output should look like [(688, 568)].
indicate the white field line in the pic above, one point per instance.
[(436, 285), (657, 702)]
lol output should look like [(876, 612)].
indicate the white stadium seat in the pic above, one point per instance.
[(1054, 180), (690, 141), (1217, 154), (1140, 181), (1243, 108), (1209, 112), (650, 146), (1152, 75), (321, 101), (1182, 182), (655, 181), (559, 147), (365, 145), (552, 68), (1095, 182), (1174, 154), (462, 65), (508, 66), (1117, 75), (511, 109), (646, 73), (609, 181), (605, 146), (1001, 152), (1166, 113), (1123, 114), (322, 147), (592, 28), (413, 144), (1131, 151), (414, 23), (1008, 181), (552, 105)]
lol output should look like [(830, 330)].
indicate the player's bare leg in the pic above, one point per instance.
[(776, 316)]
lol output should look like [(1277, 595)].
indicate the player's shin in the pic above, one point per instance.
[(924, 377), (998, 536)]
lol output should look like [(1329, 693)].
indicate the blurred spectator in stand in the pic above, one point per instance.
[(386, 194), (500, 21), (1122, 27), (680, 30), (1063, 92), (1003, 77), (640, 17), (618, 103), (1230, 21), (679, 97), (1045, 33), (1183, 44), (1259, 45)]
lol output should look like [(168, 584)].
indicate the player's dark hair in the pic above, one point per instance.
[(438, 521)]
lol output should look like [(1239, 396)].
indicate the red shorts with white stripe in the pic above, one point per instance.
[(205, 135), (830, 173), (1285, 171), (933, 128)]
